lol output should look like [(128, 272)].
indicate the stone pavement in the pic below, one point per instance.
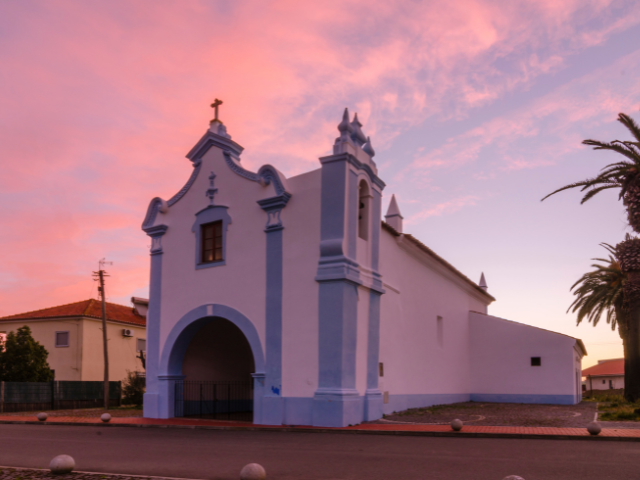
[(482, 431)]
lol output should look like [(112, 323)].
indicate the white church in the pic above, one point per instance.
[(296, 293)]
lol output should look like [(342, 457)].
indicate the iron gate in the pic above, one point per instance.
[(217, 399)]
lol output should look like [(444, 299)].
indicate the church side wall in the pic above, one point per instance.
[(501, 369), (425, 359), (240, 282), (301, 220)]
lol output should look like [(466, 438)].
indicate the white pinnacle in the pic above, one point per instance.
[(393, 216), (393, 209), (483, 283)]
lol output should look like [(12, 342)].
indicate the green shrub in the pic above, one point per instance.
[(23, 359), (133, 388)]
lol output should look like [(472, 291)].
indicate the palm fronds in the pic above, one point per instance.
[(621, 174), (600, 292)]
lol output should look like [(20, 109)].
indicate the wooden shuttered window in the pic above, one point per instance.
[(212, 242)]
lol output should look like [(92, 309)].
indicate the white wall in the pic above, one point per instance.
[(416, 367), (301, 220), (240, 283), (183, 286), (602, 383), (501, 353)]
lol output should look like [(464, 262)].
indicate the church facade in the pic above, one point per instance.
[(336, 317)]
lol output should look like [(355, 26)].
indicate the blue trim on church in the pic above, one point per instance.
[(336, 402), (272, 408), (151, 399)]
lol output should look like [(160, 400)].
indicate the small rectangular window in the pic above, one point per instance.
[(62, 339), (381, 369), (440, 331), (535, 362), (212, 242), (141, 345)]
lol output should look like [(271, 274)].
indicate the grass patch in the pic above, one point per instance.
[(614, 408), (603, 396)]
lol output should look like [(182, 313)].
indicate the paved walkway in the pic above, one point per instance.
[(625, 434)]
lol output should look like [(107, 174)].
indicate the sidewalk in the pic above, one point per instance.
[(469, 431)]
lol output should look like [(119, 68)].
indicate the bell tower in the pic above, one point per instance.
[(348, 274)]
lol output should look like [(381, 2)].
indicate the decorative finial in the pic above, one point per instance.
[(211, 191), (215, 106), (345, 126), (357, 134), (368, 149)]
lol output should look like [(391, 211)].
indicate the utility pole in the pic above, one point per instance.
[(99, 275)]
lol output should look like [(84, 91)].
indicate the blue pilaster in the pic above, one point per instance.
[(272, 408), (258, 395), (336, 402), (151, 397)]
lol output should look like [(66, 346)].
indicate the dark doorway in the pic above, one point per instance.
[(217, 366)]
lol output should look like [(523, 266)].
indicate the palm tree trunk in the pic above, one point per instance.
[(623, 331), (631, 343)]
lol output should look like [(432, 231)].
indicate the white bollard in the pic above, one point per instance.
[(253, 471), (105, 417), (42, 416), (594, 428), (456, 425), (62, 464)]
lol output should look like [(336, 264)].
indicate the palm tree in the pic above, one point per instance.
[(625, 176), (601, 292)]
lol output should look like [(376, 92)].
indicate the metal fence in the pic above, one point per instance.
[(219, 400), (56, 395)]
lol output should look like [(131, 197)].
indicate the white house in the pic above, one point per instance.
[(296, 285), (606, 375)]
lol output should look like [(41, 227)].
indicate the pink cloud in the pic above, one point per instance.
[(443, 208), (102, 100), (559, 118)]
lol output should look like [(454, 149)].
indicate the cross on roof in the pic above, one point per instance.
[(215, 106)]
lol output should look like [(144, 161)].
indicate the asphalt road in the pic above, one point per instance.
[(213, 454)]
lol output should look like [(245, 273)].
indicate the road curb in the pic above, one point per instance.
[(82, 472), (404, 433)]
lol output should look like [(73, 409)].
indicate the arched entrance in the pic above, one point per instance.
[(219, 351), (217, 368), (212, 365)]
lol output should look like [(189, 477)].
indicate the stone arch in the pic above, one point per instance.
[(184, 330)]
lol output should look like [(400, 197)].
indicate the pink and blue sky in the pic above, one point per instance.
[(476, 110)]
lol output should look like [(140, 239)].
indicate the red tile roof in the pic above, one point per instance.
[(87, 308), (608, 367)]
